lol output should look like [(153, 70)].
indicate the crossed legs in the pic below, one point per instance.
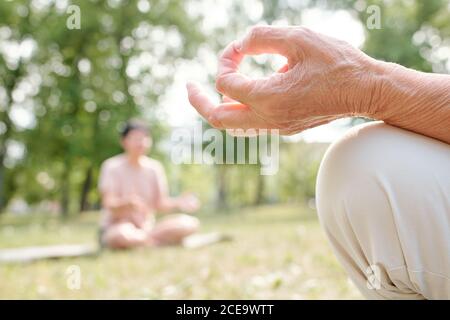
[(169, 231)]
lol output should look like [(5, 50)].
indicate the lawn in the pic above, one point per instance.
[(278, 252)]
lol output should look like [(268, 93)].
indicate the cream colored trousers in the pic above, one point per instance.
[(383, 198)]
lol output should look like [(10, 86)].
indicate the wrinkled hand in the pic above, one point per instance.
[(324, 79), (188, 203)]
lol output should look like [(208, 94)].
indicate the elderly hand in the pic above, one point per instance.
[(324, 79)]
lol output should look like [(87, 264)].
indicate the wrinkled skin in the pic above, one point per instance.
[(324, 79)]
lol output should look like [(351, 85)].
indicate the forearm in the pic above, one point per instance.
[(413, 100)]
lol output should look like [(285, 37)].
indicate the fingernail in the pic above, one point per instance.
[(190, 85)]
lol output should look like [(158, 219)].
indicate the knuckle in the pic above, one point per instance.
[(304, 33), (254, 31), (304, 30), (294, 33), (257, 32)]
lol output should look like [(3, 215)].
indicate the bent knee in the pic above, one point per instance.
[(350, 169), (190, 223), (123, 236), (361, 149), (374, 159), (181, 221)]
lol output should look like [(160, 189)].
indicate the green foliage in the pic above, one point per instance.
[(277, 252), (78, 111), (81, 85)]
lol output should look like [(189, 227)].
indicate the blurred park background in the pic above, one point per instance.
[(65, 93)]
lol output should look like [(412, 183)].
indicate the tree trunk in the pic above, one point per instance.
[(85, 188), (221, 195), (65, 185), (260, 186), (2, 184), (10, 85)]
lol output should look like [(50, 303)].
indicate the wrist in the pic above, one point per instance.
[(410, 99), (394, 91), (376, 90)]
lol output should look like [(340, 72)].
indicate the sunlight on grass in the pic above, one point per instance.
[(278, 252)]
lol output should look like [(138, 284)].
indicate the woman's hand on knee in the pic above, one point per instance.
[(188, 203)]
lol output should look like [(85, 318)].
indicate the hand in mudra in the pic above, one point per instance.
[(188, 203), (324, 79)]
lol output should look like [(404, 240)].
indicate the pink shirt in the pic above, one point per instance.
[(123, 180)]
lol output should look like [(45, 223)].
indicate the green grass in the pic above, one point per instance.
[(278, 252)]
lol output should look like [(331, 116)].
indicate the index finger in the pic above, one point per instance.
[(260, 39), (229, 81), (202, 103)]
